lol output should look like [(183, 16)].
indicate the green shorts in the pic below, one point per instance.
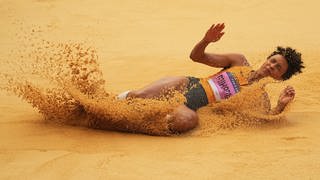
[(195, 94)]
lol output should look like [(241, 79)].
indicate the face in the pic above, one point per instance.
[(275, 67)]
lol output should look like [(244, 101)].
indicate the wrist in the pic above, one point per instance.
[(203, 40), (281, 106)]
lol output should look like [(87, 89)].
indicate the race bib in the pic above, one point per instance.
[(224, 85)]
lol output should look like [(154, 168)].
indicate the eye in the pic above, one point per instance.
[(273, 60), (278, 66)]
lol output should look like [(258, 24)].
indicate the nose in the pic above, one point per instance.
[(272, 66)]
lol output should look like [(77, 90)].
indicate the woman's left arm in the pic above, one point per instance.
[(286, 96)]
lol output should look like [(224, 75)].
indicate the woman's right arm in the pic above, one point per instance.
[(214, 34)]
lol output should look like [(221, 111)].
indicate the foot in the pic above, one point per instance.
[(123, 95)]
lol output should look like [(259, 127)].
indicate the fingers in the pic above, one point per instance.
[(289, 90), (220, 35), (214, 33), (219, 27)]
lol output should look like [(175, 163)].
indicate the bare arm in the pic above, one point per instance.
[(198, 53), (286, 96)]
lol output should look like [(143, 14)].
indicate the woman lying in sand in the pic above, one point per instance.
[(236, 72)]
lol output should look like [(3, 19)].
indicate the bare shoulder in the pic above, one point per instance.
[(245, 61), (239, 60)]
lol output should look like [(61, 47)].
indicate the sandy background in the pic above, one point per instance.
[(139, 42)]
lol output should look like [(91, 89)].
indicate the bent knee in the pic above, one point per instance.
[(184, 121)]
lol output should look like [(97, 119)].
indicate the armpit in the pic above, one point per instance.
[(244, 61)]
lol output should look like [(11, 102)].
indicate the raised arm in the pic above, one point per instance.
[(213, 35)]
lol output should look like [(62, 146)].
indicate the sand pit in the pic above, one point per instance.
[(129, 44)]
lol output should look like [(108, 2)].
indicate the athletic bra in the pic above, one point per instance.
[(225, 83)]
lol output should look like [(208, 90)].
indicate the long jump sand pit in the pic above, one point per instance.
[(48, 45)]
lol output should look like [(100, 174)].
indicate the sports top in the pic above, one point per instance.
[(225, 83)]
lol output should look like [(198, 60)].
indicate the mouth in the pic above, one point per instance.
[(267, 70)]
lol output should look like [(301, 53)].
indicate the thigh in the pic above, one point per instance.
[(163, 86)]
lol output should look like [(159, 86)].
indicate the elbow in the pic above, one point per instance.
[(194, 58), (191, 56)]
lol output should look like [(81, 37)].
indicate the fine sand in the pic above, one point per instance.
[(135, 43)]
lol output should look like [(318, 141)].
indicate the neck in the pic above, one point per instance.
[(255, 76)]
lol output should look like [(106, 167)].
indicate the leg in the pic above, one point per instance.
[(160, 87), (183, 119)]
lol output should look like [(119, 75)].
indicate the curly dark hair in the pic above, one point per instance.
[(295, 64)]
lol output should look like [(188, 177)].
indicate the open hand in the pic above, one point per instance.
[(214, 33), (286, 95)]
